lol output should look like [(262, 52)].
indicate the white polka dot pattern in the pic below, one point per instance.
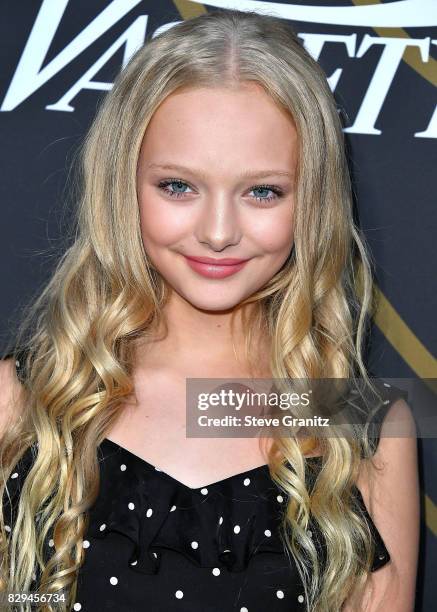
[(216, 531)]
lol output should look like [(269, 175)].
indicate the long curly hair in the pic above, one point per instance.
[(104, 296)]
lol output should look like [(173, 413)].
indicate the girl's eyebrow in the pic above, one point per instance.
[(247, 174)]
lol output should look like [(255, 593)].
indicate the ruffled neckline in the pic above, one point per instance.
[(223, 524), (220, 524)]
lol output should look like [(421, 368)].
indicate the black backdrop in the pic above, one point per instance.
[(58, 57)]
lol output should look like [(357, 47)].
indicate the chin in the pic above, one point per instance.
[(212, 303)]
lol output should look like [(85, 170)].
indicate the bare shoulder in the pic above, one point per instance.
[(11, 394), (390, 490)]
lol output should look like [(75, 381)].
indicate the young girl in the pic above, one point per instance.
[(220, 141)]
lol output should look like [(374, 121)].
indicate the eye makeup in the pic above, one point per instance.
[(164, 186)]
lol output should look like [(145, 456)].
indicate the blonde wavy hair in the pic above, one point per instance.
[(104, 296)]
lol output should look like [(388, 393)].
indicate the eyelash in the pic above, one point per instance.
[(163, 184)]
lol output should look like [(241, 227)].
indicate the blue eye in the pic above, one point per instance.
[(164, 186), (182, 185), (278, 192)]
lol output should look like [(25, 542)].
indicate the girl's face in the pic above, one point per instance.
[(216, 179)]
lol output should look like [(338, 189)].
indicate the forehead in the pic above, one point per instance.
[(221, 126)]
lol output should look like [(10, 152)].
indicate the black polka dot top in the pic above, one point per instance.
[(156, 545)]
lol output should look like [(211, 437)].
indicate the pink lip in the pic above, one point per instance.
[(215, 268), (225, 261)]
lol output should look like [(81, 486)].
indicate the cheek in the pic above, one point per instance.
[(161, 222), (273, 233)]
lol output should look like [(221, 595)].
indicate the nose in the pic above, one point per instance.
[(218, 225)]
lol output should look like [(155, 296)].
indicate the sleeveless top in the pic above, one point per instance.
[(154, 544)]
